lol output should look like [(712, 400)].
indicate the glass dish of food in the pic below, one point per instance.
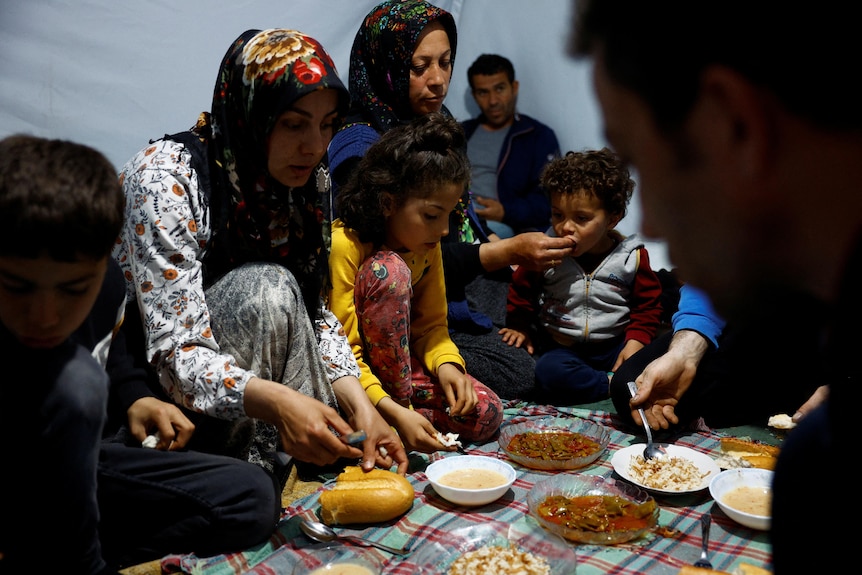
[(554, 443), (592, 509), (495, 548)]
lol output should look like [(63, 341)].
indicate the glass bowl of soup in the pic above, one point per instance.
[(470, 480), (745, 495), (592, 509)]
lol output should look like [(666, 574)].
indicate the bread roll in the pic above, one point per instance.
[(365, 497), (756, 454), (741, 569), (692, 570), (749, 569)]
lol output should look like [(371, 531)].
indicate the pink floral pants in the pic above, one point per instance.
[(383, 296)]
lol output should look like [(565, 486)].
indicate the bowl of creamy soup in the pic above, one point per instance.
[(335, 559), (470, 480), (745, 495)]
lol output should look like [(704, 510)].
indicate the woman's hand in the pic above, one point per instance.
[(363, 415), (304, 424)]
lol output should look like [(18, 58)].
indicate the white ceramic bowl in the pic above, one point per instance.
[(462, 463), (727, 481)]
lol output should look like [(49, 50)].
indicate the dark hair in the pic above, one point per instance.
[(597, 172), (490, 64), (659, 49), (410, 160), (58, 198)]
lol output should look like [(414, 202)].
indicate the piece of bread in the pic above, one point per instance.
[(365, 497), (756, 454), (692, 570), (749, 569), (741, 569)]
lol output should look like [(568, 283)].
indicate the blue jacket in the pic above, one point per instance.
[(695, 312), (528, 147)]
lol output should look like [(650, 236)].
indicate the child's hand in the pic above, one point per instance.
[(630, 348), (517, 338), (417, 433), (460, 393)]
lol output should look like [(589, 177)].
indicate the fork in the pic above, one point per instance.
[(705, 521)]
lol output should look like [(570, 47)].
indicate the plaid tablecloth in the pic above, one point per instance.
[(431, 518)]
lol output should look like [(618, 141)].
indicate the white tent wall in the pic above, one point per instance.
[(115, 73)]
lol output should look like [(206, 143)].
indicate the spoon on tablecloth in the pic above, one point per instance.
[(650, 451), (324, 534)]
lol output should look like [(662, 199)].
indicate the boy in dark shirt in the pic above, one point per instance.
[(76, 409)]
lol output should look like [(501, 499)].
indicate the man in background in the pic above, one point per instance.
[(508, 152)]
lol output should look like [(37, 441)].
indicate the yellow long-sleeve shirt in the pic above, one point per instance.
[(429, 329)]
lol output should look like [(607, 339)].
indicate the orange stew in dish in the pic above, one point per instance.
[(598, 513), (553, 445)]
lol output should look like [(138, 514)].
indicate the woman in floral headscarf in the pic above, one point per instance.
[(225, 250)]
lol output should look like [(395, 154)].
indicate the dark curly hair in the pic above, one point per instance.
[(599, 172), (411, 160)]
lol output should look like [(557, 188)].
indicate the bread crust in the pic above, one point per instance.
[(757, 454), (365, 497)]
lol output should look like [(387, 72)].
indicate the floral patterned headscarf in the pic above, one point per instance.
[(380, 60), (262, 74)]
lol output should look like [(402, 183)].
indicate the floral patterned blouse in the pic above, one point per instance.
[(160, 251)]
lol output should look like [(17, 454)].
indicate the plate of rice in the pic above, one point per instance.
[(680, 470)]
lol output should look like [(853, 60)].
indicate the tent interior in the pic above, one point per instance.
[(116, 74)]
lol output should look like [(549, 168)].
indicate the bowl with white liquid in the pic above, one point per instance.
[(470, 480)]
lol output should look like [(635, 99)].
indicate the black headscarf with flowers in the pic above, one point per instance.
[(381, 56), (256, 218)]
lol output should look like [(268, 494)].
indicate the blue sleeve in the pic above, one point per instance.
[(695, 312)]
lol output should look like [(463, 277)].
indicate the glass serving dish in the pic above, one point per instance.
[(553, 458), (581, 484), (436, 557)]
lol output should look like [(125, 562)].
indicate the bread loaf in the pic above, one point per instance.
[(741, 569), (756, 454), (365, 497)]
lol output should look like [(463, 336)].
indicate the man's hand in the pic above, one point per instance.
[(666, 379), (819, 396), (489, 208)]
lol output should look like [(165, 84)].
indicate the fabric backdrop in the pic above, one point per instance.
[(115, 73)]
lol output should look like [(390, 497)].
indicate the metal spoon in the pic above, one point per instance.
[(650, 451), (323, 533)]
